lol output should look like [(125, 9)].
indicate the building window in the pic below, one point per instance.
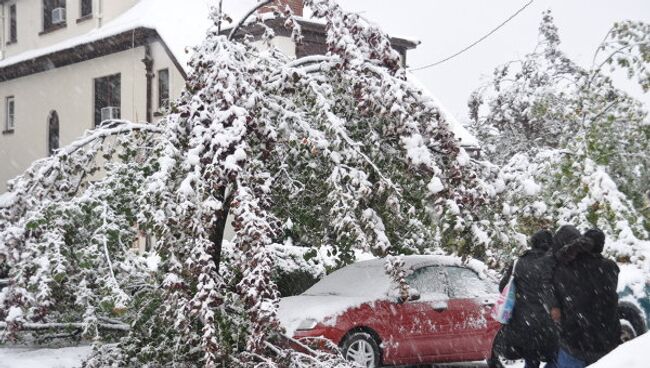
[(107, 98), (52, 133), (13, 24), (163, 89), (54, 14), (10, 116), (86, 8)]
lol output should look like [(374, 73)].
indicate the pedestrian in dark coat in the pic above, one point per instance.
[(531, 334), (585, 286)]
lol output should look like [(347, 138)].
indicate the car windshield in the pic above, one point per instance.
[(360, 279)]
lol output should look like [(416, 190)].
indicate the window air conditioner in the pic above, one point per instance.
[(110, 113), (58, 15)]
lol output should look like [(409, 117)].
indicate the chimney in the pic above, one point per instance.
[(296, 6)]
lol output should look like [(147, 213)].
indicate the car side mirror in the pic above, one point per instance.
[(414, 295)]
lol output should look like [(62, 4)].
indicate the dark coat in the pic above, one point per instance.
[(585, 286), (531, 333)]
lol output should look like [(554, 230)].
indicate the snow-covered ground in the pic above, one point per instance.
[(71, 357), (633, 354), (43, 358)]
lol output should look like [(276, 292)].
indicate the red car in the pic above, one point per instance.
[(357, 308)]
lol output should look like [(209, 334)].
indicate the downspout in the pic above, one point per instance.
[(148, 65), (100, 13), (3, 42)]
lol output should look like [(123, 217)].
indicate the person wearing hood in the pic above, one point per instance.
[(531, 334), (564, 236), (585, 288)]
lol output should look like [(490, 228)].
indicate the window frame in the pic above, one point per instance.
[(82, 16), (13, 24), (164, 103), (48, 26), (53, 116), (96, 109), (10, 117)]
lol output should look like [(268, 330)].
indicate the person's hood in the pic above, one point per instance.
[(542, 240), (325, 309), (577, 248), (565, 235), (598, 238)]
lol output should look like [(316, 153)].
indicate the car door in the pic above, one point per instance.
[(470, 303), (421, 327)]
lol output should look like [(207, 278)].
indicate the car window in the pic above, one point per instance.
[(465, 283), (429, 281)]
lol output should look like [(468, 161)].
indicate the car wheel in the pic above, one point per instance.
[(362, 348), (627, 331), (632, 322)]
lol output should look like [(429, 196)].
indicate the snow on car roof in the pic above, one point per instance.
[(369, 279)]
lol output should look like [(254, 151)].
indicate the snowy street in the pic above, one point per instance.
[(43, 358), (71, 358)]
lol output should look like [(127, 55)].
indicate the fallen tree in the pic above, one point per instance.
[(336, 151)]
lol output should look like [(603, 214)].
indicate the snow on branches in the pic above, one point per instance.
[(341, 146), (572, 148)]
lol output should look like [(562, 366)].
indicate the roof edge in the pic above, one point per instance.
[(122, 41)]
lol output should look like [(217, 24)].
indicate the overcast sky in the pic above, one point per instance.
[(446, 26)]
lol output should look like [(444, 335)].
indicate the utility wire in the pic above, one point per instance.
[(476, 42)]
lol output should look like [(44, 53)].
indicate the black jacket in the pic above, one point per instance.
[(531, 333), (585, 286)]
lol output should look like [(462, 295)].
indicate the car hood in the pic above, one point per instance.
[(322, 308)]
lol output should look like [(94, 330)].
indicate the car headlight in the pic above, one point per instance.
[(307, 324)]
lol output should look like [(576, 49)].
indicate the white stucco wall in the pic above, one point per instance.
[(70, 92), (30, 22)]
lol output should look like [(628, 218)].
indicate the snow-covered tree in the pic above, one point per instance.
[(336, 151), (571, 147)]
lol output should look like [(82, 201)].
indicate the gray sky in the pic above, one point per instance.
[(446, 26)]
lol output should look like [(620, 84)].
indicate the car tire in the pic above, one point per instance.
[(632, 322), (627, 331), (362, 348)]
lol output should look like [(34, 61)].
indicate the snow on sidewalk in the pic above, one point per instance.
[(633, 354), (15, 357)]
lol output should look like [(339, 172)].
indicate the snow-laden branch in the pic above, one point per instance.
[(115, 127), (241, 22), (79, 325)]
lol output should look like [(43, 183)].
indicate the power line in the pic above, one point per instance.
[(475, 42)]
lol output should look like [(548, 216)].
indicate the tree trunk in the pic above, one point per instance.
[(216, 236)]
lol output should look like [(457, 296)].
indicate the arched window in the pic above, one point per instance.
[(52, 132)]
